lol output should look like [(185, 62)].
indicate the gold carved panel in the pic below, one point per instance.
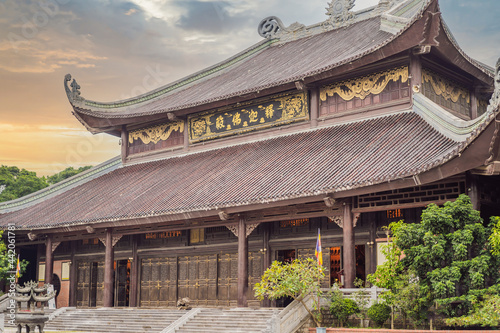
[(363, 86), (156, 133), (445, 88), (274, 111)]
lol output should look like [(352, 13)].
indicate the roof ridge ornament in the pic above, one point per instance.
[(73, 93), (339, 12), (272, 27)]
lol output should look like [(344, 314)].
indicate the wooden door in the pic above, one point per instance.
[(255, 271), (83, 284), (159, 282), (198, 279), (228, 279)]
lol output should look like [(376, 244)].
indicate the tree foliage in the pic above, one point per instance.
[(403, 291), (485, 313), (8, 260), (295, 279), (16, 183), (341, 308), (66, 173), (450, 255)]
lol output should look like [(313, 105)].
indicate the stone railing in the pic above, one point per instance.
[(295, 315), (371, 294)]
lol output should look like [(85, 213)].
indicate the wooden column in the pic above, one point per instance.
[(108, 269), (124, 137), (73, 276), (349, 249), (267, 256), (186, 135), (473, 190), (373, 245), (134, 274), (242, 263), (415, 73), (314, 106), (49, 260)]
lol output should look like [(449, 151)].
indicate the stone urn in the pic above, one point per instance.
[(34, 317)]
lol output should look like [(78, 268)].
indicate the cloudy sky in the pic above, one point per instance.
[(121, 48)]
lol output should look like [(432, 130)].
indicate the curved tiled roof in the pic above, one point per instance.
[(308, 163), (268, 64)]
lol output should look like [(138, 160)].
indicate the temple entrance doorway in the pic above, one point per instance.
[(360, 262), (335, 265), (122, 282)]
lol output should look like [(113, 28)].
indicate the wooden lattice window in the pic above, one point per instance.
[(411, 196)]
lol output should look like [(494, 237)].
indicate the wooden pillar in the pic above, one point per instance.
[(186, 136), (242, 263), (124, 138), (473, 104), (49, 260), (267, 255), (134, 274), (314, 106), (73, 276), (473, 190), (349, 249), (108, 269), (415, 73), (372, 218)]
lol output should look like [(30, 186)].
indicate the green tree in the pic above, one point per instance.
[(8, 260), (403, 290), (66, 173), (16, 183), (296, 279), (450, 255)]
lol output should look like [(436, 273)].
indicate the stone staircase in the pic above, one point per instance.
[(141, 320), (233, 320), (114, 320)]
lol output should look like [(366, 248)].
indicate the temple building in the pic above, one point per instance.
[(344, 125)]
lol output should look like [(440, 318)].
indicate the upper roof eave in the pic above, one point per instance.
[(134, 109)]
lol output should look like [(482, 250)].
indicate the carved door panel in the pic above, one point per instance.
[(183, 278), (212, 280), (202, 279), (158, 282), (149, 282), (255, 271), (168, 282), (83, 284), (93, 284), (228, 279), (100, 284)]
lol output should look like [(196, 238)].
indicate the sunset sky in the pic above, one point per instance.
[(118, 49)]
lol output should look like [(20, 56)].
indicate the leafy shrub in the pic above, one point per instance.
[(342, 308), (379, 313)]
